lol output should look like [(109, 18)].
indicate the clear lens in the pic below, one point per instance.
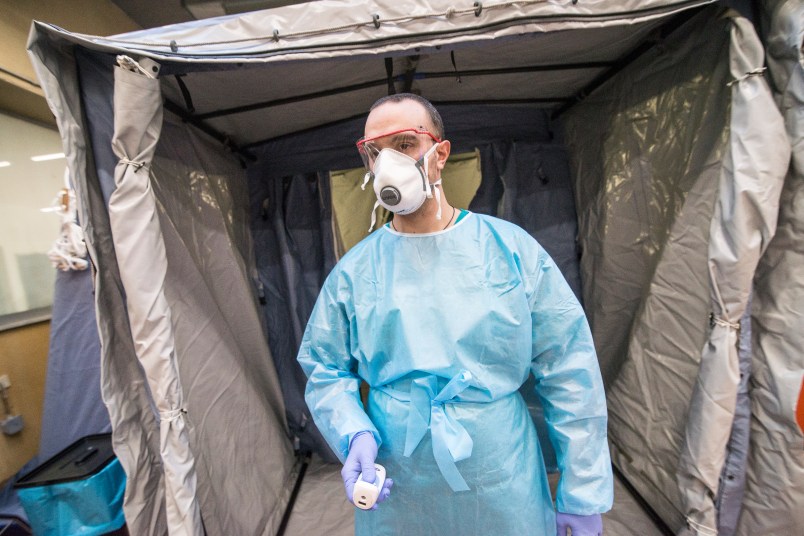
[(413, 143)]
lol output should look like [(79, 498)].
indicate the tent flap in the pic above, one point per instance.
[(742, 225), (774, 492), (143, 266)]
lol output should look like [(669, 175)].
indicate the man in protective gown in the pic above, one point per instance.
[(444, 313)]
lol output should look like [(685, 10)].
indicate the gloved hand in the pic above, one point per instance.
[(362, 453), (591, 525)]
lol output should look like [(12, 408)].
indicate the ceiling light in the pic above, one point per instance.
[(43, 157), (5, 163)]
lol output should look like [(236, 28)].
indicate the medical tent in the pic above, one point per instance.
[(653, 147)]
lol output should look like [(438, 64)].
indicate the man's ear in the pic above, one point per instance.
[(442, 153)]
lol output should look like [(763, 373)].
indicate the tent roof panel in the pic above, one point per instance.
[(328, 65), (341, 27)]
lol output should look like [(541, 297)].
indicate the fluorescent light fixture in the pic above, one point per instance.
[(4, 163), (43, 157)]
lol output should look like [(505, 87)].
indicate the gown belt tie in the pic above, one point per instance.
[(451, 441)]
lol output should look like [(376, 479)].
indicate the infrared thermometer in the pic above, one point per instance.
[(365, 493)]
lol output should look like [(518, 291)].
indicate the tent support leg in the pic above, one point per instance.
[(305, 461), (660, 524)]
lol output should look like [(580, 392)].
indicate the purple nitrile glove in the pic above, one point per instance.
[(591, 525), (362, 453)]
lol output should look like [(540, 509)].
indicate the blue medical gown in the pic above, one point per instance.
[(444, 328)]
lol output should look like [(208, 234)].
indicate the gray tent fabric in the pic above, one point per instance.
[(294, 247), (123, 387), (232, 394), (141, 257), (774, 495), (743, 223), (73, 407), (645, 182)]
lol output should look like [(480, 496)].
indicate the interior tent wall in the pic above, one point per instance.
[(291, 223), (645, 183), (774, 495)]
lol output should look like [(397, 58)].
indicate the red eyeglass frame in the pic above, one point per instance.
[(362, 141)]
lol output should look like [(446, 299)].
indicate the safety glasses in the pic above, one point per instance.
[(409, 141)]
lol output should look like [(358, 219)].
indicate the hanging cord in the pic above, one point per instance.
[(69, 251), (373, 23), (455, 66)]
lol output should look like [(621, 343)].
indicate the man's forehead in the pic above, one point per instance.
[(393, 116)]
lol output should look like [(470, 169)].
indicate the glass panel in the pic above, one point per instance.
[(32, 169)]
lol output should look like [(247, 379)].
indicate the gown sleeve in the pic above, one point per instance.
[(570, 386), (333, 386)]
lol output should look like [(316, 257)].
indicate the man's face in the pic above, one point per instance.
[(401, 120)]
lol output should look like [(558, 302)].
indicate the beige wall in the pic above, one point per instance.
[(23, 357), (23, 351), (19, 89)]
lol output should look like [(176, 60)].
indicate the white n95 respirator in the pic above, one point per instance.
[(401, 183)]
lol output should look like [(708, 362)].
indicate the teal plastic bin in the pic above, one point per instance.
[(79, 491)]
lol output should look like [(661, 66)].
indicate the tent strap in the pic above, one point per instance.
[(389, 72)]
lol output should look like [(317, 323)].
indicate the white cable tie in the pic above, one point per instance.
[(717, 321), (171, 415), (701, 530), (136, 165), (755, 72)]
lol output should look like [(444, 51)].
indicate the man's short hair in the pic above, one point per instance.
[(435, 117)]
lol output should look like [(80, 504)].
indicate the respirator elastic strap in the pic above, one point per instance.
[(374, 215)]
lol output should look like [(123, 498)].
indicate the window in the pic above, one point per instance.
[(32, 169)]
